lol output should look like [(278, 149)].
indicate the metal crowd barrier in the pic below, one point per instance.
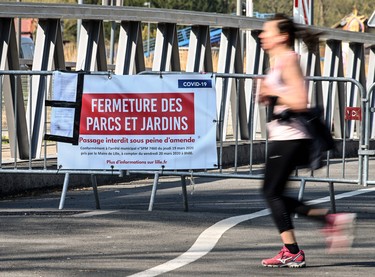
[(233, 171), (243, 83), (365, 152)]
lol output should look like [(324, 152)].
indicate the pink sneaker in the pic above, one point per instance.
[(286, 259), (339, 232)]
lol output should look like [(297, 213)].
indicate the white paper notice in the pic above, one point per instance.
[(62, 121), (64, 86)]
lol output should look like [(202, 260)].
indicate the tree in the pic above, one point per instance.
[(272, 6), (219, 6), (326, 12)]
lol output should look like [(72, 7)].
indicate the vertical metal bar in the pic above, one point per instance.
[(30, 118), (15, 118), (301, 192), (221, 125), (148, 38), (45, 123), (311, 12), (237, 114), (184, 193), (365, 135), (79, 24), (332, 197), (363, 145), (266, 146), (251, 114), (112, 42), (327, 164), (64, 190), (301, 189), (328, 119), (153, 193), (1, 115), (314, 100), (344, 135), (343, 152), (95, 190)]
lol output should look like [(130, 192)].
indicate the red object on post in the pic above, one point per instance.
[(353, 113)]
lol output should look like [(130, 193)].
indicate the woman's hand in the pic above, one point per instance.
[(265, 93)]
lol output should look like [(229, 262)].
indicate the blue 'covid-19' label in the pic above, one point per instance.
[(194, 83)]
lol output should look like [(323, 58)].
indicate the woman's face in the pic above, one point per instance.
[(270, 36)]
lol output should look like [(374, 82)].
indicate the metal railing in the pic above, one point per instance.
[(365, 151), (233, 171), (349, 52), (241, 167)]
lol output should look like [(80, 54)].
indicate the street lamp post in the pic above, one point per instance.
[(249, 8), (19, 31), (79, 23), (148, 4), (239, 7)]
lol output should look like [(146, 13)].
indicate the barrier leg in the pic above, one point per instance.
[(184, 193), (301, 192), (153, 193), (65, 189), (332, 197), (95, 189)]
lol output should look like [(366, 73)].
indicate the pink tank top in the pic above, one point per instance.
[(282, 130)]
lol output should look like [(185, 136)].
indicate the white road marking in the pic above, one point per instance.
[(94, 213), (209, 237)]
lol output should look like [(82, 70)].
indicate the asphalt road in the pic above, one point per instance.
[(227, 232)]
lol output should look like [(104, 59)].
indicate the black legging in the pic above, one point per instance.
[(283, 157)]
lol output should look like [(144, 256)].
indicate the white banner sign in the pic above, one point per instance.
[(145, 122)]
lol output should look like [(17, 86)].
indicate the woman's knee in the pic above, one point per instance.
[(270, 193)]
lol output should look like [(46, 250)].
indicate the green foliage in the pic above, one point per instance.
[(219, 6), (70, 30), (326, 12), (272, 6)]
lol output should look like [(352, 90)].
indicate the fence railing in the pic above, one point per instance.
[(342, 53), (244, 154), (254, 125)]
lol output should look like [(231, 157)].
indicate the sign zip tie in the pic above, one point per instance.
[(192, 183)]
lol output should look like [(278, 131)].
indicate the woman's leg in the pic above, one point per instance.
[(281, 161), (283, 157)]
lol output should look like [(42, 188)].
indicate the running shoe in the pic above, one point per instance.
[(286, 259), (339, 232)]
